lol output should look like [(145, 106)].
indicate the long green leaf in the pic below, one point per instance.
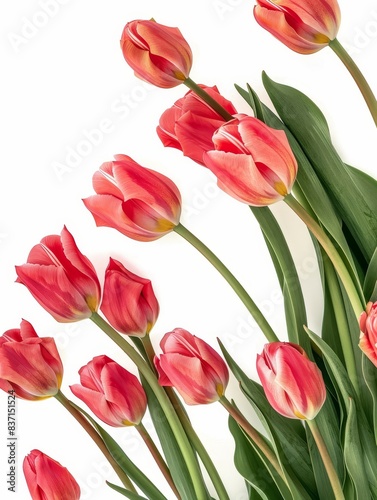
[(125, 493), (370, 283)]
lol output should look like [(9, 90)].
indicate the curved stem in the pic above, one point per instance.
[(96, 438), (357, 76), (233, 282), (208, 99)]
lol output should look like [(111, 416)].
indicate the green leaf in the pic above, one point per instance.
[(125, 493), (370, 283), (370, 377)]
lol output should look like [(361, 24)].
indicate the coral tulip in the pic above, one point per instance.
[(138, 202), (368, 336)]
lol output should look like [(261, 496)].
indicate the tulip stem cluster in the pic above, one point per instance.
[(200, 92)]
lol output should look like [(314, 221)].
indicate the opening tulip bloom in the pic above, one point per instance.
[(112, 393), (140, 203), (292, 383), (129, 302), (158, 54), (29, 365), (47, 479), (61, 278), (192, 366), (368, 336), (252, 162), (305, 26), (190, 123)]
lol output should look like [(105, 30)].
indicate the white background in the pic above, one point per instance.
[(63, 77)]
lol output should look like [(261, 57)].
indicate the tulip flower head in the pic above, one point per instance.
[(48, 479), (292, 383), (305, 27), (158, 54), (368, 335), (140, 203)]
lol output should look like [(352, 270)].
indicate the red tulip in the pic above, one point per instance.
[(138, 202), (112, 393), (305, 26), (292, 383), (190, 123), (29, 365), (61, 278), (252, 162), (158, 54), (129, 302), (192, 366), (368, 336), (47, 479)]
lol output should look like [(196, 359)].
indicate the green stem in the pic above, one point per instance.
[(233, 282), (357, 76), (329, 466), (146, 340), (96, 438), (208, 99), (164, 401)]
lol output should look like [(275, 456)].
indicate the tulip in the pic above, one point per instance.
[(158, 54), (192, 366), (112, 393), (129, 302), (292, 383), (47, 479), (305, 27), (252, 162), (29, 365), (61, 278), (138, 202), (190, 123), (368, 335)]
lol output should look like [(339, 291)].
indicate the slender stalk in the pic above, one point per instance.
[(171, 416), (146, 340), (208, 99), (233, 282), (96, 438), (329, 466), (357, 76)]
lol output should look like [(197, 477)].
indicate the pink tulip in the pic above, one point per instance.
[(190, 123), (368, 336), (292, 383), (138, 202), (29, 365), (129, 302), (192, 366), (158, 54), (61, 278), (112, 393), (47, 479), (304, 26), (252, 162)]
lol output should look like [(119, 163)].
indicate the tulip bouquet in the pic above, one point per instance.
[(316, 397)]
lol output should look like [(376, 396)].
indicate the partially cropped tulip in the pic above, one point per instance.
[(190, 123), (192, 366), (29, 365), (112, 393), (47, 479), (138, 202), (305, 27), (61, 278), (252, 162), (129, 302), (293, 384), (158, 54), (368, 328)]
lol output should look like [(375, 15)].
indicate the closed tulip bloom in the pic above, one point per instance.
[(252, 162), (158, 54), (190, 123), (112, 393), (47, 479), (129, 302), (29, 365), (368, 335), (192, 366), (292, 383), (61, 278), (304, 26), (140, 203)]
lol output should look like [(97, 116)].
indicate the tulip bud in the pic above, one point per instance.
[(158, 54), (292, 383), (368, 335)]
